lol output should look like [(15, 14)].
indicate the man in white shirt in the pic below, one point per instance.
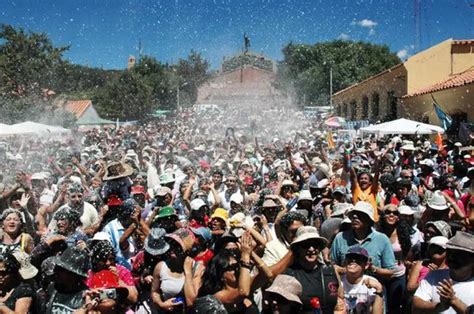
[(449, 290), (362, 293)]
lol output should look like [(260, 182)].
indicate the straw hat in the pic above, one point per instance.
[(305, 233), (117, 170)]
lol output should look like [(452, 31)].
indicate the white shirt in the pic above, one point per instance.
[(358, 296), (88, 219), (427, 289)]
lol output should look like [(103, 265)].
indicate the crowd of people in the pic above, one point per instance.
[(272, 215)]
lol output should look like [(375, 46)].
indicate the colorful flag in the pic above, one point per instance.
[(443, 117), (439, 142), (330, 141)]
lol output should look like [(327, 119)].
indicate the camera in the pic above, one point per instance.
[(108, 294)]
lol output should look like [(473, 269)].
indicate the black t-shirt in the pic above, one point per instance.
[(23, 290), (64, 303), (320, 282)]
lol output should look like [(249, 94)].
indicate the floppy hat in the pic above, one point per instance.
[(163, 191), (269, 203), (427, 162), (405, 210), (167, 177), (437, 201), (203, 232), (166, 211), (138, 189), (197, 203), (237, 222), (305, 195), (101, 236), (341, 209), (462, 241), (339, 190), (220, 213), (287, 183), (309, 233), (441, 226), (439, 241), (155, 243), (364, 207), (237, 198), (73, 260), (27, 270), (117, 170), (288, 287), (408, 146), (322, 184)]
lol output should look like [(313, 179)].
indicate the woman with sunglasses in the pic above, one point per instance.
[(398, 231), (305, 263), (168, 277), (228, 278)]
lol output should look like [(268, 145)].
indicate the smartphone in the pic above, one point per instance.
[(178, 300), (108, 294)]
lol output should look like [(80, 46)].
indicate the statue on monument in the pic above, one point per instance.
[(246, 43)]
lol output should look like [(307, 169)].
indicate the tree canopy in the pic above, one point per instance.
[(33, 72), (306, 67)]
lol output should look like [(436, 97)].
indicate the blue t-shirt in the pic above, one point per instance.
[(377, 245)]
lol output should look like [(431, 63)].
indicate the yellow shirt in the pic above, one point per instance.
[(366, 195)]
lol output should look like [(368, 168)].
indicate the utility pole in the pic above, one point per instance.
[(330, 88)]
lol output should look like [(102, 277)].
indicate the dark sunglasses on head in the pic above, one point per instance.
[(232, 267)]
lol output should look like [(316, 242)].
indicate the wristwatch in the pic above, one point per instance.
[(380, 294)]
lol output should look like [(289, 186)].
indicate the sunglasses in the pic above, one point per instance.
[(232, 267), (307, 244), (392, 212)]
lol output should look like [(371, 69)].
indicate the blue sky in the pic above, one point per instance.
[(103, 33)]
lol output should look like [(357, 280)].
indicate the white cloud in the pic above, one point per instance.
[(372, 32), (344, 36), (367, 23), (402, 54)]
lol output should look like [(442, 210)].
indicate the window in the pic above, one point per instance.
[(392, 105), (339, 109), (375, 106), (353, 110), (365, 108)]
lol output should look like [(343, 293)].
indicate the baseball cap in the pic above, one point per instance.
[(439, 241), (358, 250), (197, 203)]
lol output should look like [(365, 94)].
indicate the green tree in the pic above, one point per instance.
[(306, 68), (160, 79), (192, 72), (27, 61), (125, 98)]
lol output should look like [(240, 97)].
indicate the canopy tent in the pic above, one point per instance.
[(94, 121), (402, 126), (160, 113), (32, 128), (335, 122)]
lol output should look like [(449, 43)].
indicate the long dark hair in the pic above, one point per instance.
[(404, 230), (213, 278)]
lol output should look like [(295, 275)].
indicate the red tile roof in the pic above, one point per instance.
[(463, 42), (78, 107), (456, 80)]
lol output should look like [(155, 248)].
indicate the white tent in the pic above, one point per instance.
[(32, 128), (402, 126)]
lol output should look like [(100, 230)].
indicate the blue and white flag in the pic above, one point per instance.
[(445, 119)]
